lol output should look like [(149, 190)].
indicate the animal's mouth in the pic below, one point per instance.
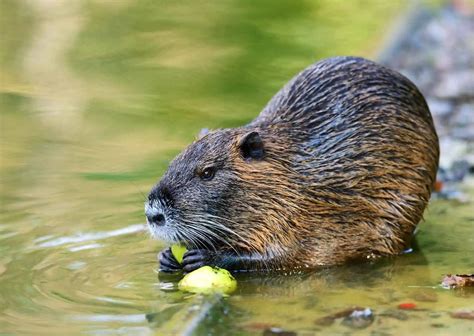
[(171, 234), (164, 233), (193, 231)]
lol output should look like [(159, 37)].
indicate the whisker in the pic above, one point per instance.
[(209, 232), (212, 226)]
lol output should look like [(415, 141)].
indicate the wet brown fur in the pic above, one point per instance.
[(351, 155)]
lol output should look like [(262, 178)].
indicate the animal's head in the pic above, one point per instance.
[(217, 191)]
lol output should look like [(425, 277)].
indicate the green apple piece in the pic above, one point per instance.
[(208, 279), (178, 251)]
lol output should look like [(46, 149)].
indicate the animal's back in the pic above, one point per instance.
[(363, 146)]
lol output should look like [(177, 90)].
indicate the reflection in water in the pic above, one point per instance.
[(59, 95)]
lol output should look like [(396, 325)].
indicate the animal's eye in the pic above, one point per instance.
[(207, 173)]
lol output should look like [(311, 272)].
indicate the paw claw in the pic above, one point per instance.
[(192, 267), (194, 259), (168, 262)]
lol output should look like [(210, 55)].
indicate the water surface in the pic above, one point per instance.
[(97, 96)]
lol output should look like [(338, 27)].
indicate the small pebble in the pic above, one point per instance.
[(463, 314), (359, 319), (396, 314), (437, 325), (329, 319), (435, 315), (278, 331), (439, 107)]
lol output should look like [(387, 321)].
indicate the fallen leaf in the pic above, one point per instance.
[(458, 281)]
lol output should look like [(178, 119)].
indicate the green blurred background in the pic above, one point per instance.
[(97, 96)]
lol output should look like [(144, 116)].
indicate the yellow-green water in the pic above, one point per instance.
[(97, 96)]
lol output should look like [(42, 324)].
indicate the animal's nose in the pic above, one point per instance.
[(157, 219)]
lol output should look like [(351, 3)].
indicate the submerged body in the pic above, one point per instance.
[(338, 166)]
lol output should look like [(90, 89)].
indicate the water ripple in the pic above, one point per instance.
[(86, 237)]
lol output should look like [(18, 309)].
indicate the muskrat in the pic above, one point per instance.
[(339, 166)]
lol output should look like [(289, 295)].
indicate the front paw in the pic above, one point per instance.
[(194, 259), (168, 262)]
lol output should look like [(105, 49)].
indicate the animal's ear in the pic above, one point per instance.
[(251, 146)]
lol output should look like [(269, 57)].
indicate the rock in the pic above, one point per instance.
[(464, 115), (396, 314), (455, 84), (439, 107), (278, 331), (463, 314), (437, 325), (464, 133), (463, 122), (435, 315), (459, 170), (359, 319), (329, 319), (437, 54), (452, 150)]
